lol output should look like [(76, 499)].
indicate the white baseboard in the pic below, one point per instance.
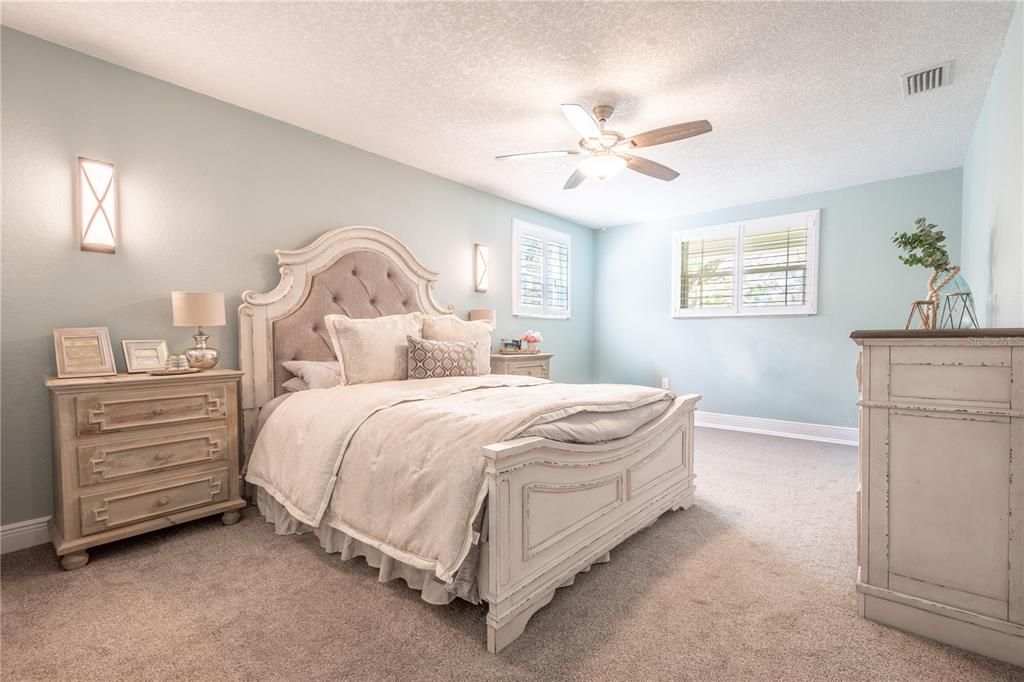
[(843, 435), (15, 536)]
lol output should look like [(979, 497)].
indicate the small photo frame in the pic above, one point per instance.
[(83, 352), (144, 356)]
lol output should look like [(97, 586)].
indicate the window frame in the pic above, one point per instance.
[(545, 235), (810, 219)]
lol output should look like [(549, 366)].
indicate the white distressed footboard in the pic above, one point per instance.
[(554, 508)]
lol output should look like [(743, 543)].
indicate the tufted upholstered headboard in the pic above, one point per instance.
[(358, 271)]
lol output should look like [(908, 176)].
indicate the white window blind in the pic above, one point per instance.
[(541, 258), (756, 267), (708, 274), (775, 268)]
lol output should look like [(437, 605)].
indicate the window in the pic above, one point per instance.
[(767, 266), (541, 261)]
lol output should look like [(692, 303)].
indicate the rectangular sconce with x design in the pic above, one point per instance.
[(96, 205), (480, 266)]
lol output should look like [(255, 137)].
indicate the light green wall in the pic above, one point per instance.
[(993, 237), (208, 191), (792, 368)]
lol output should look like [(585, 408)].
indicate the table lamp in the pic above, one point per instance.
[(487, 314), (199, 309)]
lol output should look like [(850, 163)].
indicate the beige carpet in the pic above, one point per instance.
[(755, 582)]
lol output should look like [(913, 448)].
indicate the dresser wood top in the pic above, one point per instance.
[(1014, 332), (53, 383), (522, 356)]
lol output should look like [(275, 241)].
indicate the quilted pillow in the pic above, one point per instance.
[(434, 359), (451, 328), (372, 349)]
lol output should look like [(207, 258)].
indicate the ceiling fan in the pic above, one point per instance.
[(602, 150)]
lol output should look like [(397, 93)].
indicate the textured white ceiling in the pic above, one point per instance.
[(802, 96)]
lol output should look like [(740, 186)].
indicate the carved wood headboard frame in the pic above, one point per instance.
[(298, 268)]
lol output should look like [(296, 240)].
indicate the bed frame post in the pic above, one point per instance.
[(554, 509)]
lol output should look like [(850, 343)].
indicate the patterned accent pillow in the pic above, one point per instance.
[(432, 359)]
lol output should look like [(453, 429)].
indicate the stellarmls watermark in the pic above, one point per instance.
[(995, 341)]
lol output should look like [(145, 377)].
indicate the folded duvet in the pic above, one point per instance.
[(399, 464)]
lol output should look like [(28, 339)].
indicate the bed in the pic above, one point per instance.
[(533, 510)]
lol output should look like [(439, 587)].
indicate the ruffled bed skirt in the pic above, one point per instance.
[(431, 590)]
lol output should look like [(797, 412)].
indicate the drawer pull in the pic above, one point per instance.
[(162, 500), (157, 411), (163, 456)]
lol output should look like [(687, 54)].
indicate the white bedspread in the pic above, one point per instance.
[(399, 465)]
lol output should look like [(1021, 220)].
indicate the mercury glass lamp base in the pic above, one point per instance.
[(202, 356)]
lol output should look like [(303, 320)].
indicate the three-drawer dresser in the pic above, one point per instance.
[(134, 453), (941, 498)]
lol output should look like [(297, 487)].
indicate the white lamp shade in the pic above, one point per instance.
[(197, 308), (603, 165), (482, 314)]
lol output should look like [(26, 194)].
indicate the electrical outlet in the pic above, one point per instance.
[(665, 383)]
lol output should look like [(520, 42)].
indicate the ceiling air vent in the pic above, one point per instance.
[(928, 79)]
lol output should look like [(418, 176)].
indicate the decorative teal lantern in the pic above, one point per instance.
[(956, 303)]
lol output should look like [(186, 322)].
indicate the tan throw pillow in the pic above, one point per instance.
[(435, 359), (313, 374), (451, 328), (373, 349), (294, 385)]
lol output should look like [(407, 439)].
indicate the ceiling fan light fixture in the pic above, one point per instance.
[(602, 166)]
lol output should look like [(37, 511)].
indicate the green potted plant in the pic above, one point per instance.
[(924, 246)]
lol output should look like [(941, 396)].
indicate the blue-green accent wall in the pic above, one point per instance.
[(208, 191), (793, 368), (993, 208)]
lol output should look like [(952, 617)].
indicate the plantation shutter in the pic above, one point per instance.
[(531, 271), (707, 273), (763, 266), (542, 261), (556, 278), (775, 268)]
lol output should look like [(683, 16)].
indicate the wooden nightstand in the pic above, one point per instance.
[(529, 364), (134, 453)]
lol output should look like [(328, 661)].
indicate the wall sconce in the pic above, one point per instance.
[(96, 205), (480, 266)]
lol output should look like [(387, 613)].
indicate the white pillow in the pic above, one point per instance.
[(373, 349), (451, 328), (313, 374), (294, 385)]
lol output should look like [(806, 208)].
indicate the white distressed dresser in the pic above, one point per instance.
[(941, 497), (133, 453)]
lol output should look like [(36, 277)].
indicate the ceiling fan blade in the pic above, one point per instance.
[(538, 155), (679, 131), (651, 168), (575, 179), (581, 120)]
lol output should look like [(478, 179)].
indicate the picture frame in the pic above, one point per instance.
[(83, 352), (144, 355)]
